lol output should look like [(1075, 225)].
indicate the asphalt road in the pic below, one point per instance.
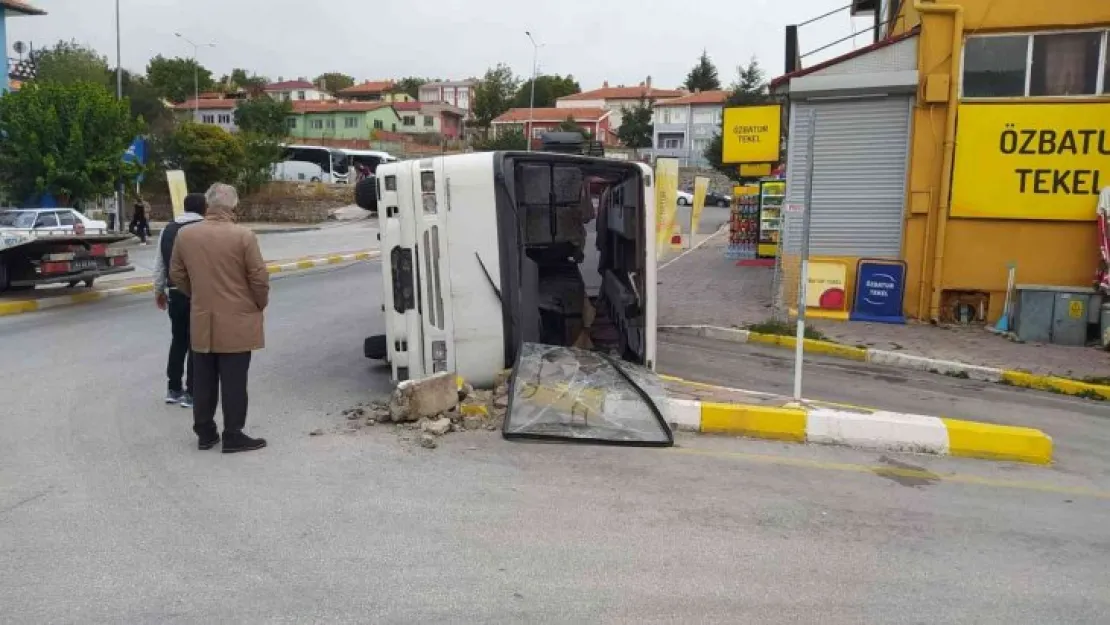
[(109, 514)]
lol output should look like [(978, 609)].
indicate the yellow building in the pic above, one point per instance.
[(973, 137)]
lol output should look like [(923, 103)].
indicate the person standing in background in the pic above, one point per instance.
[(140, 225), (218, 265), (168, 297)]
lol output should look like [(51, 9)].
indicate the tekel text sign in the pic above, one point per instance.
[(1031, 161), (751, 134), (880, 289)]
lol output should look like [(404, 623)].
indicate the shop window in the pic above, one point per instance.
[(994, 67), (1065, 64), (1036, 65)]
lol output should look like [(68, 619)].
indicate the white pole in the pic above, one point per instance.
[(196, 73), (119, 96), (532, 98), (807, 214)]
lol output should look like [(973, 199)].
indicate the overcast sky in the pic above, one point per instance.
[(621, 41)]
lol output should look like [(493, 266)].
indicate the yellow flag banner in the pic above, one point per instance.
[(175, 180), (701, 188), (666, 200)]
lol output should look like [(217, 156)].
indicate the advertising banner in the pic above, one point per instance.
[(175, 180), (666, 200), (701, 187), (1031, 161), (752, 134), (880, 289), (826, 287)]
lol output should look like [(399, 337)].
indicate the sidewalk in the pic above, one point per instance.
[(705, 288)]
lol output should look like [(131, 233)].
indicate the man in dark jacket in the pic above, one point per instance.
[(169, 297)]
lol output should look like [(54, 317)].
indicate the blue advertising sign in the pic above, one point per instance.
[(880, 289), (136, 153)]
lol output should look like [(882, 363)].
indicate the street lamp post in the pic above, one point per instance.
[(532, 98), (119, 96), (196, 72)]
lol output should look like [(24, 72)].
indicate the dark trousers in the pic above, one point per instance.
[(220, 378), (181, 357)]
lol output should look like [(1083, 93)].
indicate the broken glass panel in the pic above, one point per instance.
[(565, 393)]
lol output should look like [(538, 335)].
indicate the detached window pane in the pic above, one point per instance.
[(994, 67), (1065, 64)]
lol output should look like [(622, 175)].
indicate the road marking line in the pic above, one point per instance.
[(956, 478)]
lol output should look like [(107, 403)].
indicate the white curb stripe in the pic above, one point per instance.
[(889, 431)]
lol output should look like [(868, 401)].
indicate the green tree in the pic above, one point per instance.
[(505, 140), (247, 81), (334, 82), (703, 76), (174, 79), (568, 125), (263, 116), (549, 88), (494, 94), (206, 153), (260, 153), (636, 129), (750, 86), (64, 139), (69, 62), (411, 85)]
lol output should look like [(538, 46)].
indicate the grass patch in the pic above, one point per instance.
[(1097, 379), (961, 375), (785, 328), (1090, 394)]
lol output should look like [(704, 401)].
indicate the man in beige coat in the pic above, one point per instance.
[(218, 265)]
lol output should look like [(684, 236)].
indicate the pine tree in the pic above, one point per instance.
[(703, 76), (751, 85)]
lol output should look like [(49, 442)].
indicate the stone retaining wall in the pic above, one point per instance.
[(277, 202)]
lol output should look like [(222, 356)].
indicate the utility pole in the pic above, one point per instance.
[(196, 73), (119, 96), (803, 282), (532, 98)]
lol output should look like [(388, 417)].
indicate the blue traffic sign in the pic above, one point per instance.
[(880, 289)]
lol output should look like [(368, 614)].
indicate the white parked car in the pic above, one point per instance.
[(50, 221), (685, 198)]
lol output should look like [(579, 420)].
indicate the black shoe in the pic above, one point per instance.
[(236, 442), (173, 397), (205, 443)]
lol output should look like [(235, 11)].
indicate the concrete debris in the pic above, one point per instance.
[(427, 441), (437, 427), (466, 390), (472, 422), (316, 432), (371, 422), (413, 400)]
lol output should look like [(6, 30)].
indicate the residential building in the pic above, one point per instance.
[(216, 111), (535, 122), (375, 91), (11, 8), (436, 118), (970, 140), (459, 93), (296, 90), (685, 126), (342, 121), (617, 99)]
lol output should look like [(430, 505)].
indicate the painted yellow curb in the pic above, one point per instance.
[(1055, 384), (780, 424), (812, 346), (997, 442), (18, 307)]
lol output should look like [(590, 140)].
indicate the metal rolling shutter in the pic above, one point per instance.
[(859, 177)]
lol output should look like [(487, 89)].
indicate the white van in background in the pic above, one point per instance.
[(484, 252), (312, 163)]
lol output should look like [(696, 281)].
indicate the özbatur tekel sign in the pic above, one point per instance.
[(1031, 161)]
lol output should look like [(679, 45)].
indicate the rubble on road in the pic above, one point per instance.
[(432, 409)]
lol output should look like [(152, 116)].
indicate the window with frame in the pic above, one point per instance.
[(408, 120), (537, 133), (318, 124), (429, 121), (350, 122), (378, 124), (208, 118), (291, 122), (331, 123), (1036, 64), (67, 218), (300, 95), (225, 118)]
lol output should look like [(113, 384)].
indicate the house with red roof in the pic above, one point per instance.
[(213, 111), (298, 90), (617, 99), (594, 121), (684, 126), (432, 118), (375, 91)]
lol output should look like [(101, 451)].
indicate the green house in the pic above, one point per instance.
[(342, 121)]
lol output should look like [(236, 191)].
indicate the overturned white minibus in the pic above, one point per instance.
[(482, 253)]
